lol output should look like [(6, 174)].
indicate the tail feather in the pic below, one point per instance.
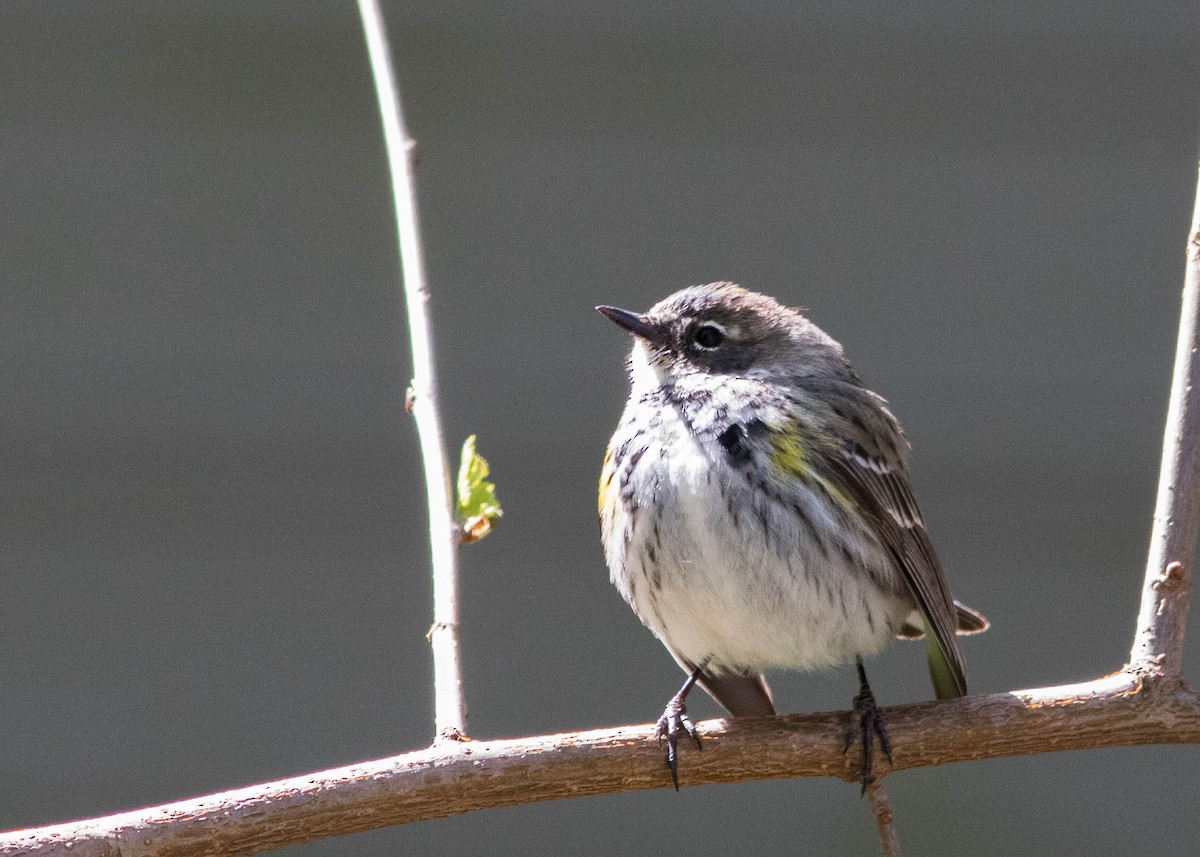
[(740, 695), (947, 683), (968, 621)]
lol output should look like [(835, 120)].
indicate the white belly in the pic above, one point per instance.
[(747, 596)]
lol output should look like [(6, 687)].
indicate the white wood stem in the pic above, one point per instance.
[(1158, 640), (450, 706)]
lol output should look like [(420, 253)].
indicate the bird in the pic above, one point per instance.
[(756, 511)]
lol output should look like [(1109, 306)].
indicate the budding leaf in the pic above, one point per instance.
[(477, 508)]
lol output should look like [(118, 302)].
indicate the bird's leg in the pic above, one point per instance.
[(674, 720), (865, 724)]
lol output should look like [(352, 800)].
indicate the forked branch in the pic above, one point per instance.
[(455, 778), (1146, 703)]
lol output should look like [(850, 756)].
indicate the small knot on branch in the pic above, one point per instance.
[(1171, 577), (439, 626), (413, 151)]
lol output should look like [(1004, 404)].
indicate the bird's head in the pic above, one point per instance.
[(723, 329)]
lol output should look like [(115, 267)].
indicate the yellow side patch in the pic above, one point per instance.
[(790, 450), (607, 496), (787, 452)]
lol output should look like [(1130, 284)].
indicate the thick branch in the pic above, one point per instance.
[(449, 779), (1158, 641), (450, 706)]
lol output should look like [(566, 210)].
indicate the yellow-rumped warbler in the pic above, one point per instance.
[(756, 511)]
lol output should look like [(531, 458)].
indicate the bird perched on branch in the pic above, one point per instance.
[(756, 511)]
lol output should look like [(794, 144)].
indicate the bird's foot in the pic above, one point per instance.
[(866, 724), (675, 720)]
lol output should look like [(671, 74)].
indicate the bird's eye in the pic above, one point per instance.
[(708, 336)]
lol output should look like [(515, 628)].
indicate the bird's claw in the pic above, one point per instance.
[(866, 723), (673, 721)]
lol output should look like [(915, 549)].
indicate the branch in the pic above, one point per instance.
[(1147, 703), (889, 840), (1158, 641), (1124, 709), (450, 705)]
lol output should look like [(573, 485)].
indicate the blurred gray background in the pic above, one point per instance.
[(213, 538)]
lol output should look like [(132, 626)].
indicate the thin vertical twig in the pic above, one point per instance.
[(889, 841), (1158, 641), (450, 707)]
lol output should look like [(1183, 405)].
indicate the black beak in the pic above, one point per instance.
[(634, 322)]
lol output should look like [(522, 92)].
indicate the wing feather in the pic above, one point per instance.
[(871, 467)]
